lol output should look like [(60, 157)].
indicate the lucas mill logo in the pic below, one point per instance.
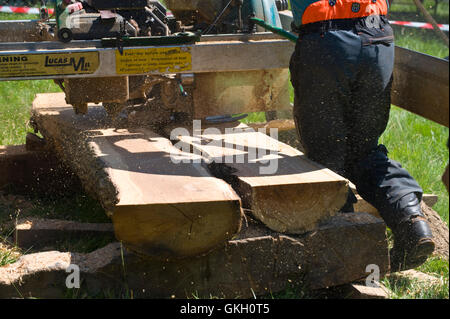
[(78, 64)]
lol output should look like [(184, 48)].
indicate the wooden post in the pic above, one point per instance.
[(430, 20)]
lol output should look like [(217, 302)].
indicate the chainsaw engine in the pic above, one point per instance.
[(96, 19)]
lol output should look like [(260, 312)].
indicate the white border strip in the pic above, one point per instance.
[(421, 25)]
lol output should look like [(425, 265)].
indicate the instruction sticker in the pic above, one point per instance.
[(35, 65), (154, 60)]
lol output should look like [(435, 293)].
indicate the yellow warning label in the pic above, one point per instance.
[(30, 65), (154, 60)]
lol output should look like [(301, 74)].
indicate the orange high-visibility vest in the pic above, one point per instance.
[(309, 11)]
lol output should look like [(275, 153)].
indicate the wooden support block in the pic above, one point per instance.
[(36, 233), (282, 188), (158, 207), (355, 291), (257, 262)]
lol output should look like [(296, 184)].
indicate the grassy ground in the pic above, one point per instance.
[(415, 142), (420, 145)]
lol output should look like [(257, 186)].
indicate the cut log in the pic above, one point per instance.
[(257, 262), (159, 207), (277, 183)]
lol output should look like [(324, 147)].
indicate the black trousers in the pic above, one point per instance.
[(342, 82)]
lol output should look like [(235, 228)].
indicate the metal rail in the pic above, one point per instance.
[(218, 53)]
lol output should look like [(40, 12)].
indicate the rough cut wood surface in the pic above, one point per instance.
[(258, 261), (290, 194), (158, 207)]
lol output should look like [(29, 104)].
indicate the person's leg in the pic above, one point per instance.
[(321, 71), (380, 180), (320, 75)]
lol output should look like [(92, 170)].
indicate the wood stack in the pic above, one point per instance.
[(158, 207), (169, 201)]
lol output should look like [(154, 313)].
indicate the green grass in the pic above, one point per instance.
[(7, 257), (421, 40), (417, 143), (420, 146), (16, 98), (410, 288), (405, 10)]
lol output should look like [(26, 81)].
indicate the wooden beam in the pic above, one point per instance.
[(256, 262), (36, 233), (277, 183), (158, 207), (421, 85)]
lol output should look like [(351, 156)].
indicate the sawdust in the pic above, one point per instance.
[(439, 229), (12, 207), (290, 137)]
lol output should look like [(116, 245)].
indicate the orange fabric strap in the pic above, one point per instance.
[(343, 9)]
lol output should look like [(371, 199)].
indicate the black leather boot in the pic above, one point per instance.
[(413, 239)]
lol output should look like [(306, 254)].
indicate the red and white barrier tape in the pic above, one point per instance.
[(9, 9), (421, 25)]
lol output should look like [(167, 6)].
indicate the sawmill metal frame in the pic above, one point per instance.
[(421, 82), (214, 53)]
